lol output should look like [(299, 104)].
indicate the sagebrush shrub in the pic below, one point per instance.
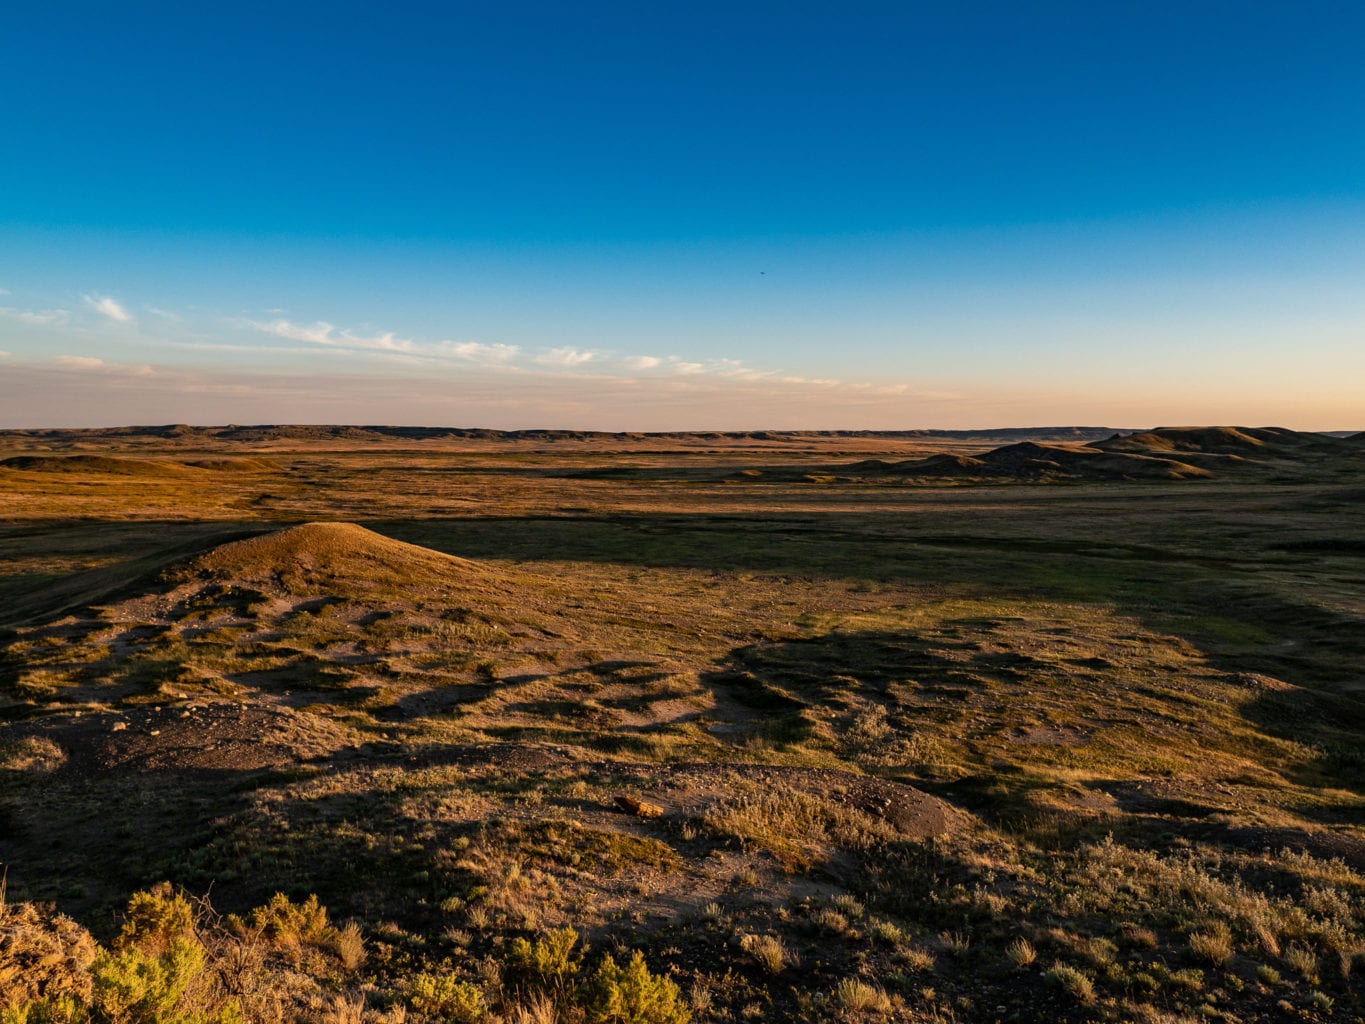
[(156, 918), (446, 998), (286, 923), (632, 995), (546, 965)]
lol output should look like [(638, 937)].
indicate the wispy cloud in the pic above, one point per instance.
[(477, 351), (165, 314), (583, 362), (323, 333), (93, 364), (823, 382), (106, 305), (80, 362), (565, 357), (35, 317)]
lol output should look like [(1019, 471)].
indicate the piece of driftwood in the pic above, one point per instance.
[(639, 808)]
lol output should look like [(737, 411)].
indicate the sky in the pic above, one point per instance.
[(648, 216)]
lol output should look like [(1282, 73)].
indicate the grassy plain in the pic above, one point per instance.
[(968, 740)]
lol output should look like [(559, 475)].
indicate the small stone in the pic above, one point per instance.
[(155, 732), (118, 727)]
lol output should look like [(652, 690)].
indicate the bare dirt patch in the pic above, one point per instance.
[(220, 736)]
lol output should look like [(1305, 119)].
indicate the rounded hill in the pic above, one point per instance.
[(342, 551)]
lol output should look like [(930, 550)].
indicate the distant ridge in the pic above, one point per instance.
[(340, 432), (1225, 439), (1222, 440), (1028, 460), (1164, 453)]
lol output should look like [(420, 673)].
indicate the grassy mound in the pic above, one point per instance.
[(329, 550)]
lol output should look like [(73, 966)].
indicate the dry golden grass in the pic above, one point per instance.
[(932, 735)]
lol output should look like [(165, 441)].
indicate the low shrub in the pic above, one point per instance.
[(447, 999), (632, 995), (855, 996), (770, 952), (1076, 983)]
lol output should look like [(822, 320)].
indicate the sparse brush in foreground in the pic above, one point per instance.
[(545, 971), (173, 962), (446, 998), (1021, 953), (632, 995), (1077, 984), (771, 953), (855, 996)]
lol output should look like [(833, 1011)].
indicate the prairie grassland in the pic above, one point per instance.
[(965, 751)]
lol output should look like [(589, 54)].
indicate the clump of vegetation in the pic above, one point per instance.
[(1214, 945), (799, 830), (173, 962), (631, 995), (548, 969), (447, 998), (769, 952), (289, 926), (43, 956), (1079, 985), (853, 995), (1021, 953)]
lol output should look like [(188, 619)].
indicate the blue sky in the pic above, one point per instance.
[(649, 216)]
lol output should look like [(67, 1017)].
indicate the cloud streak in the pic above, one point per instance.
[(566, 357), (478, 352), (556, 368), (323, 333), (107, 306), (35, 317), (80, 362), (327, 335), (93, 364)]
